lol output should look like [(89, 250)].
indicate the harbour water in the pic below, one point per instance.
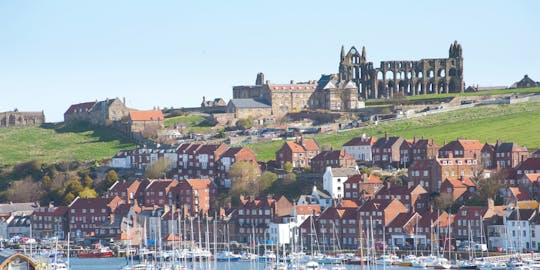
[(117, 263)]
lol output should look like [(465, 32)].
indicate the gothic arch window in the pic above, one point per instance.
[(452, 72), (442, 73), (430, 74), (389, 75)]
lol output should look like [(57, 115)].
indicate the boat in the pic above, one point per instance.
[(227, 256), (386, 260), (313, 265), (98, 252), (516, 263), (58, 265), (407, 260), (248, 257), (268, 256)]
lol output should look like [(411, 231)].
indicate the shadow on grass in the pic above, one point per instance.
[(101, 134)]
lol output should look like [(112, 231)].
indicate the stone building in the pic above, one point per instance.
[(526, 82), (21, 119), (409, 78), (246, 107), (145, 122), (99, 113)]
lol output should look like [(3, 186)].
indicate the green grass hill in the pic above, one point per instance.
[(518, 123), (56, 142)]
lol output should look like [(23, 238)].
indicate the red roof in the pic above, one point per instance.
[(348, 204), (359, 141), (364, 179), (471, 144), (153, 115), (80, 107), (520, 193), (199, 183), (308, 209)]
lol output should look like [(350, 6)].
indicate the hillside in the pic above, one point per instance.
[(517, 123), (51, 143)]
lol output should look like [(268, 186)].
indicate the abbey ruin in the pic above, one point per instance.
[(426, 76)]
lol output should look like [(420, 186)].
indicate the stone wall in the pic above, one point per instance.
[(21, 119)]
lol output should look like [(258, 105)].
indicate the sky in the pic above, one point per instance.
[(172, 53)]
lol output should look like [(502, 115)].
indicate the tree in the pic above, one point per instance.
[(266, 180), (289, 178), (46, 183), (159, 168), (74, 187), (87, 182), (244, 123), (110, 179), (25, 190), (443, 201), (88, 193), (288, 167), (488, 188), (244, 175)]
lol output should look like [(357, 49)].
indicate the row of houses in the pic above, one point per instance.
[(395, 151), (188, 160)]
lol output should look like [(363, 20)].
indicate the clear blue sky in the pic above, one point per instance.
[(171, 53)]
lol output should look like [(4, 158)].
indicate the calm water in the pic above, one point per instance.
[(117, 263)]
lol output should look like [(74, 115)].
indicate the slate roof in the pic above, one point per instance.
[(246, 103), (344, 172), (332, 155)]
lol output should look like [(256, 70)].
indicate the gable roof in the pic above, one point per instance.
[(364, 179), (199, 183), (401, 220), (361, 141), (387, 142), (343, 172), (247, 103), (332, 155), (85, 106), (520, 193), (307, 209), (152, 115)]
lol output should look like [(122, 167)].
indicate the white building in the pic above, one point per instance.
[(317, 197), (360, 148), (122, 160), (516, 232), (282, 233), (334, 178)]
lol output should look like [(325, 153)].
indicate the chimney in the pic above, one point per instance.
[(292, 81), (386, 135)]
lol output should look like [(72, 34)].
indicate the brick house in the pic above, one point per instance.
[(230, 157), (124, 189), (87, 216), (407, 195), (433, 226), (425, 172), (488, 156), (360, 187), (199, 160), (385, 151), (424, 149), (402, 231), (509, 155), (337, 226), (254, 215), (196, 196), (145, 123), (530, 165), (50, 221), (405, 153), (467, 149), (461, 188), (360, 148), (468, 221), (332, 158), (378, 213), (298, 152), (155, 193)]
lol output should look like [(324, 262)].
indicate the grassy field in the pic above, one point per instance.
[(194, 123), (467, 94), (518, 123), (53, 143)]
